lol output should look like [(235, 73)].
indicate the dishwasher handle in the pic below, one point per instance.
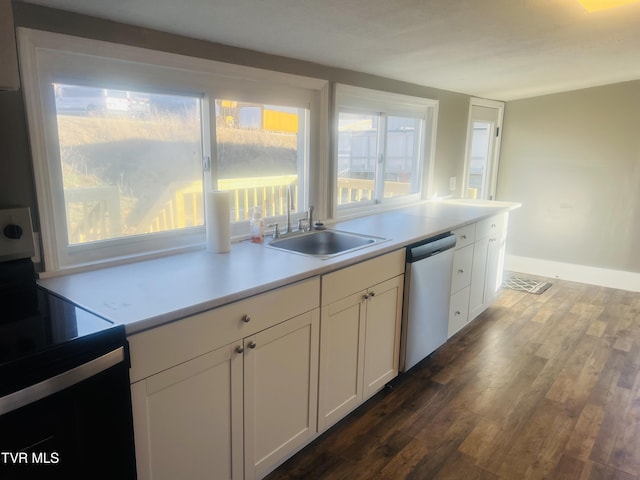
[(431, 246)]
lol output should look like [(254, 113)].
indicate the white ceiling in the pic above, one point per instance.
[(499, 49)]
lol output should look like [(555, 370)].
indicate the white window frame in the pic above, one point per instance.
[(354, 99), (46, 57)]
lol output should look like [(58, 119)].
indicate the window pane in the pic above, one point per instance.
[(479, 160), (357, 157), (260, 151), (131, 162), (402, 157)]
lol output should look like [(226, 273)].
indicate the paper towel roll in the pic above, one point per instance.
[(218, 222)]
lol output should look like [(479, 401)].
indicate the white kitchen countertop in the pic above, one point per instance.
[(148, 293)]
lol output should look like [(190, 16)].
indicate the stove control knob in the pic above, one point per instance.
[(14, 232)]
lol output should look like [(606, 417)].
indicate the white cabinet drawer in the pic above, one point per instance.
[(491, 226), (349, 280), (166, 346), (465, 235), (458, 311), (461, 273)]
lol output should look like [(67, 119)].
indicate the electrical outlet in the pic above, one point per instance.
[(16, 235), (452, 183)]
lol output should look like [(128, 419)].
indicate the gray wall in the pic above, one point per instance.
[(16, 173), (573, 160), (16, 185)]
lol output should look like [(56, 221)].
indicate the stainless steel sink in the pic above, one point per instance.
[(324, 243)]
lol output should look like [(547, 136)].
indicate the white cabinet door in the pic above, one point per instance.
[(359, 348), (495, 263), (188, 419), (488, 263), (382, 334), (281, 392), (478, 277), (341, 358)]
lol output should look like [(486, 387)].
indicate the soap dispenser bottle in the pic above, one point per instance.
[(256, 225)]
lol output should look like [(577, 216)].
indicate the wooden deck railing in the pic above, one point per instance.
[(182, 207), (94, 213), (352, 190), (97, 209), (268, 192)]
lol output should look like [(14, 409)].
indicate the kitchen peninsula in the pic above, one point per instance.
[(238, 360)]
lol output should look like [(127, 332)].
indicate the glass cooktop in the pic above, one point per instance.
[(41, 320)]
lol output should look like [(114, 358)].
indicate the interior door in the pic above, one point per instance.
[(483, 149)]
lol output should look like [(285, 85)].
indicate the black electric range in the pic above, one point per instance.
[(42, 334), (65, 398)]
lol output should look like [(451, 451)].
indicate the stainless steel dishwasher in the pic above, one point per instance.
[(427, 289)]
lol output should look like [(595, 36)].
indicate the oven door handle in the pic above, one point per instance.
[(55, 384)]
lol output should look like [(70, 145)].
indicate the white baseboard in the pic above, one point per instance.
[(604, 277)]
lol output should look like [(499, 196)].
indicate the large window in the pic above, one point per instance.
[(379, 156), (126, 141), (131, 162), (384, 148)]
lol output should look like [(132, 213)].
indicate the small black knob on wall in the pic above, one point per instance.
[(14, 232)]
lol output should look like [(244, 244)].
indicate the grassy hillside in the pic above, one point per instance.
[(148, 159)]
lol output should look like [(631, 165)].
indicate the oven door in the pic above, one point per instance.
[(74, 424)]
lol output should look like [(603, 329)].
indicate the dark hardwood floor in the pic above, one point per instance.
[(539, 386)]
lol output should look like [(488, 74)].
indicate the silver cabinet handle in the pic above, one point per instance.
[(457, 313), (252, 344), (239, 349), (365, 296), (372, 294), (463, 237), (460, 271), (246, 318)]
